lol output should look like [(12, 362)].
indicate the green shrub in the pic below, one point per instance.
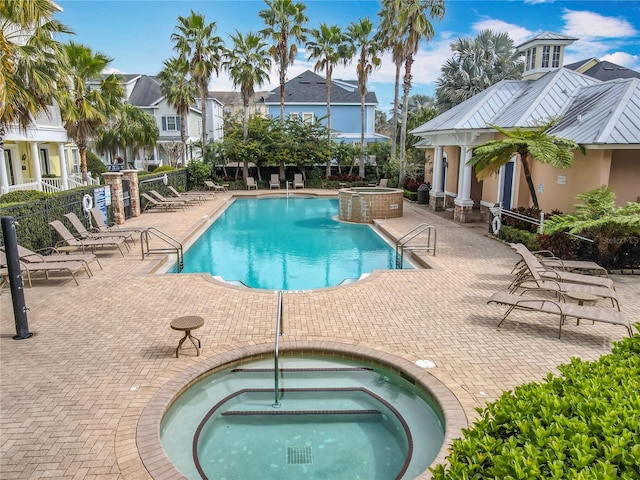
[(20, 196), (197, 173), (413, 196), (584, 424), (164, 168), (95, 165), (514, 235)]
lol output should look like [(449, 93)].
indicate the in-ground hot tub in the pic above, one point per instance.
[(363, 204)]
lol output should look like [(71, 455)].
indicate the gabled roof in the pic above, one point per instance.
[(609, 71), (311, 88), (546, 37), (146, 92), (604, 113), (233, 98)]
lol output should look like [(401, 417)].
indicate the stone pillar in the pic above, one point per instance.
[(134, 190), (463, 203), (63, 167), (114, 180), (436, 195)]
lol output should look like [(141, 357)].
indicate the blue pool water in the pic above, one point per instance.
[(287, 244)]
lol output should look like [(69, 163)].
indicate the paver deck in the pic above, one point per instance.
[(72, 394)]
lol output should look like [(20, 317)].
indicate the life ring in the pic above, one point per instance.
[(87, 203), (496, 224)]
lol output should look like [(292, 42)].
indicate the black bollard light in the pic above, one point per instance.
[(15, 278)]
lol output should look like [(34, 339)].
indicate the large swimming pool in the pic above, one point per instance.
[(289, 243)]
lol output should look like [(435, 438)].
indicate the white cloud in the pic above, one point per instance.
[(589, 25), (624, 59), (517, 33)]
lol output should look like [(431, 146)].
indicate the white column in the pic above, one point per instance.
[(63, 167), (4, 177), (438, 166), (35, 160), (464, 178)]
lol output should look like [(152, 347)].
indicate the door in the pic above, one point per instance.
[(8, 162), (506, 192), (45, 169)]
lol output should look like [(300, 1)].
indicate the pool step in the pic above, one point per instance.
[(289, 370), (300, 412)]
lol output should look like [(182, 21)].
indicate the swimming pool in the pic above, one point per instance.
[(287, 243)]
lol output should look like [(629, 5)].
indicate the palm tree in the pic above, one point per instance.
[(414, 22), (363, 44), (475, 65), (31, 60), (132, 129), (528, 144), (598, 217), (327, 46), (392, 37), (180, 93), (85, 109), (248, 63), (284, 20), (196, 43)]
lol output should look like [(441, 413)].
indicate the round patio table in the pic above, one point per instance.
[(186, 324), (582, 298)]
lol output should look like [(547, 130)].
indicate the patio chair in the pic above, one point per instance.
[(297, 181), (187, 201), (102, 226), (30, 256), (558, 306), (275, 181), (209, 185), (251, 183), (531, 262), (153, 203), (46, 268), (74, 243), (198, 196), (85, 234), (548, 259), (383, 183)]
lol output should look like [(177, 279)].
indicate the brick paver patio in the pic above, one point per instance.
[(71, 395)]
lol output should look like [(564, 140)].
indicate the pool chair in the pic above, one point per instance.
[(557, 306), (275, 181), (85, 234), (297, 181), (208, 185), (46, 268), (29, 256), (251, 183), (152, 203), (548, 259), (383, 183), (187, 201), (198, 196), (72, 243), (101, 225)]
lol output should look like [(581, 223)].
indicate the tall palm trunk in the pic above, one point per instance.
[(204, 94), (524, 154), (405, 111), (82, 150), (245, 136), (183, 138), (328, 80), (396, 94), (361, 171)]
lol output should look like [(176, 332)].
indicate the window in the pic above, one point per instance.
[(294, 116), (555, 62), (546, 50), (533, 57), (227, 112), (307, 118), (527, 64), (170, 123)]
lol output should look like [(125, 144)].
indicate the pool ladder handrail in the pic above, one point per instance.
[(279, 333), (173, 245), (402, 243)]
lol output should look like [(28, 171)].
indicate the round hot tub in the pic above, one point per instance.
[(363, 204)]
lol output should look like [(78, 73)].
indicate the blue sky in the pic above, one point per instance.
[(136, 33)]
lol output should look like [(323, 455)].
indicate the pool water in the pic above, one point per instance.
[(337, 419), (288, 243)]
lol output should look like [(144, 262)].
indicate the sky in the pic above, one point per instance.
[(136, 33)]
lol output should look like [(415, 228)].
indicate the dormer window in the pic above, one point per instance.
[(546, 51), (555, 62), (533, 57)]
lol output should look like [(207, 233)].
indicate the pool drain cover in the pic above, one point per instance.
[(299, 456)]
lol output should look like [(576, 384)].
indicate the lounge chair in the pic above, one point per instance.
[(101, 224), (46, 268), (209, 185), (82, 244), (275, 181), (85, 234), (558, 307), (548, 259), (251, 183), (29, 256), (153, 203), (198, 196), (297, 181), (531, 263), (187, 201)]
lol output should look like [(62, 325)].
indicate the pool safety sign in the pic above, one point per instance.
[(102, 199)]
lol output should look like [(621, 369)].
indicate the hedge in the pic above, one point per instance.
[(583, 424)]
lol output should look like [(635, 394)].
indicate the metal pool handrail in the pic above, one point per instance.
[(279, 334)]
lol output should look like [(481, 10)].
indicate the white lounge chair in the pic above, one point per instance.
[(275, 181), (297, 181), (251, 183)]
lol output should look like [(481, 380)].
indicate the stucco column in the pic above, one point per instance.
[(114, 180), (35, 160), (436, 200), (463, 202), (4, 177), (134, 190), (64, 175)]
